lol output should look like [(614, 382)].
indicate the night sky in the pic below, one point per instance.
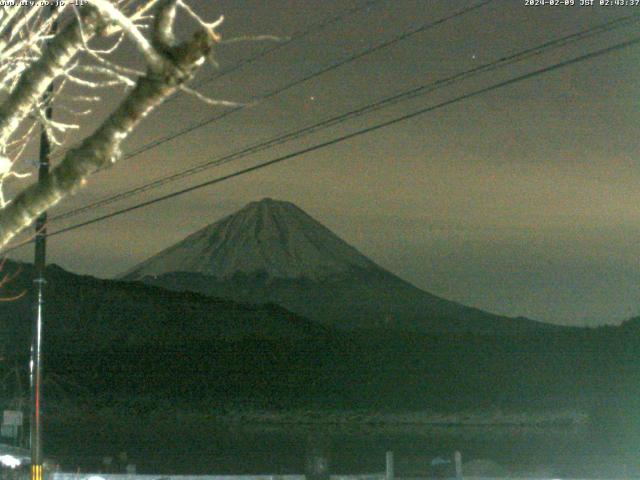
[(522, 201)]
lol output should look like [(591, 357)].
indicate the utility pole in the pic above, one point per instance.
[(35, 369), (36, 329)]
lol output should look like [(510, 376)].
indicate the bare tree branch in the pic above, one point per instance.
[(35, 80), (109, 10), (169, 67)]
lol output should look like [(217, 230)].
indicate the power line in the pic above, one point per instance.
[(318, 26), (475, 93), (322, 71), (290, 85), (388, 101), (263, 53)]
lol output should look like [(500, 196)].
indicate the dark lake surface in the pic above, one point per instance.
[(194, 445)]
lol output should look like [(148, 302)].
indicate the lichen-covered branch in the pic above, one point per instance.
[(178, 64), (35, 80)]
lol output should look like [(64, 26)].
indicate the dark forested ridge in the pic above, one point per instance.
[(138, 357), (149, 343)]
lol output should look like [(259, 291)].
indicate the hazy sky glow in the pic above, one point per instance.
[(522, 202)]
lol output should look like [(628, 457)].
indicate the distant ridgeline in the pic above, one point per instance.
[(142, 345), (147, 342)]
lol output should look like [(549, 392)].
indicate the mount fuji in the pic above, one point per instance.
[(273, 252)]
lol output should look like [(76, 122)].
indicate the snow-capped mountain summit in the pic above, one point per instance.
[(272, 252), (269, 237)]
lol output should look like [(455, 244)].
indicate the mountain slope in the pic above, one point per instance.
[(272, 251), (276, 238), (83, 312)]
